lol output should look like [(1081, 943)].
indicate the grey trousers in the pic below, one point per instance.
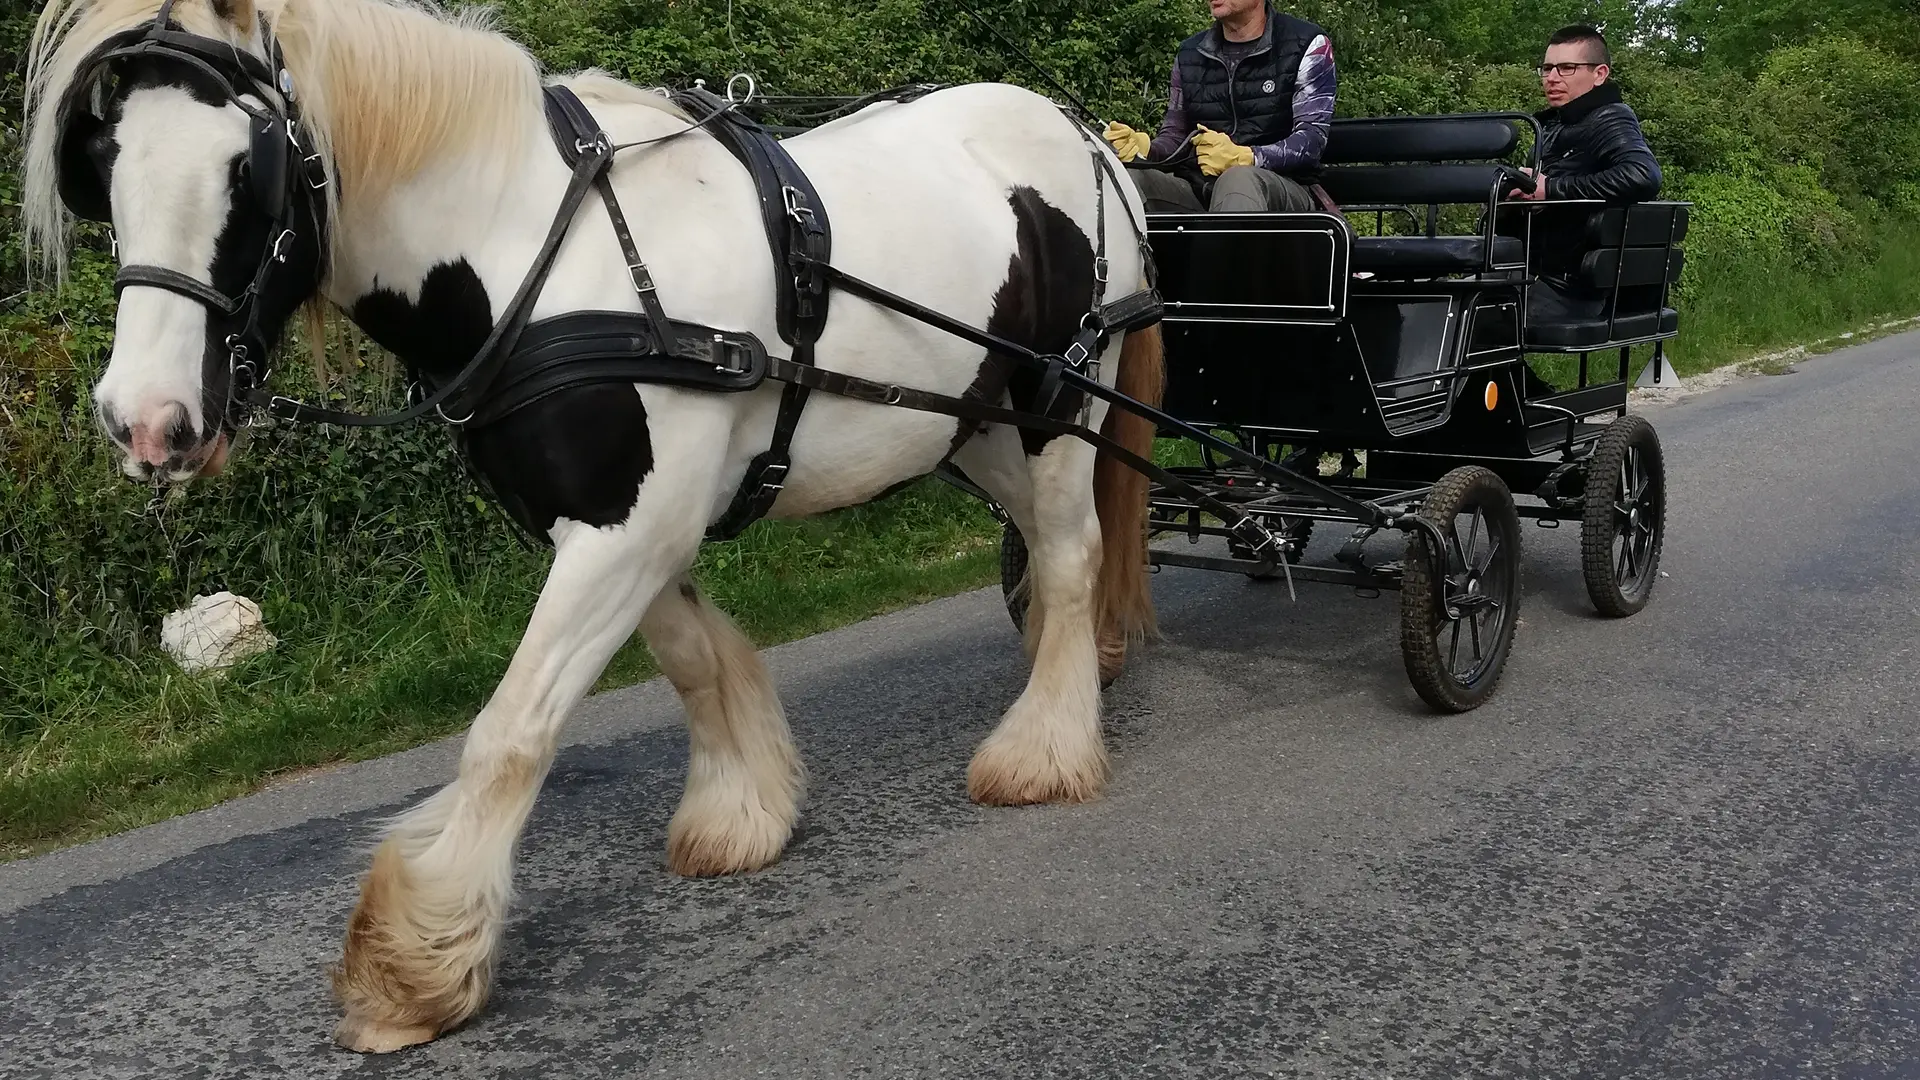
[(1241, 189)]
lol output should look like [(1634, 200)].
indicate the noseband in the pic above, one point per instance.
[(285, 173)]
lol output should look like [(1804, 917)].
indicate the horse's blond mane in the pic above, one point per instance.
[(384, 86)]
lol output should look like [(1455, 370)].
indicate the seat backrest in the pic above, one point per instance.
[(1632, 254), (1419, 185), (1653, 224), (1404, 139), (1395, 164), (1610, 268)]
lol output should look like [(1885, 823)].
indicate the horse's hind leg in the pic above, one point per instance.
[(1048, 746), (744, 779), (420, 945)]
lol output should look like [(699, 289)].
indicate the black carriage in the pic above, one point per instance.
[(1370, 368)]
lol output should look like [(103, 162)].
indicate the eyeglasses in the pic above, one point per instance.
[(1564, 69)]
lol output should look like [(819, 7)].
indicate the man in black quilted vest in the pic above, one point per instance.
[(1250, 103), (1591, 148)]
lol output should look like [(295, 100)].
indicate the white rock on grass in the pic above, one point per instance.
[(215, 632)]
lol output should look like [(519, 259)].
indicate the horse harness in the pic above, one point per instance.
[(519, 364), (578, 348)]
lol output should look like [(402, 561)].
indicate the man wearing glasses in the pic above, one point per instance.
[(1591, 148), (1250, 104)]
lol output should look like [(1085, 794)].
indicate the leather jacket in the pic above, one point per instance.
[(1592, 148)]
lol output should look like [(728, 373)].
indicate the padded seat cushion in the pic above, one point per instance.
[(1580, 333), (1431, 254)]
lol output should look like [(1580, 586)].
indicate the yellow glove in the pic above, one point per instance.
[(1128, 143), (1218, 153)]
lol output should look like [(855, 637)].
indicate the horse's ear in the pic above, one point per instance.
[(237, 12)]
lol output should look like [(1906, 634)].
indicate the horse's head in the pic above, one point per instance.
[(188, 143)]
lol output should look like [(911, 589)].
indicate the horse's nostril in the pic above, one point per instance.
[(181, 437), (115, 427)]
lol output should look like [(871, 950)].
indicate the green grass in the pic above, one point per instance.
[(115, 743)]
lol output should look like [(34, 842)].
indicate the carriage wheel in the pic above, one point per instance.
[(1626, 517), (1455, 632), (1013, 570)]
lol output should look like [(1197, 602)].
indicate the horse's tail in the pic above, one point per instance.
[(1123, 595)]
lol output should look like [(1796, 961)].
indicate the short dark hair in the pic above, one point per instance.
[(1582, 34)]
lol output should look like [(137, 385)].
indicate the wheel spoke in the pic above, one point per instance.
[(1473, 629), (1453, 649), (1487, 563), (1623, 568), (1473, 540)]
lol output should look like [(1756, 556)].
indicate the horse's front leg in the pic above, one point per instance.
[(744, 777), (420, 946)]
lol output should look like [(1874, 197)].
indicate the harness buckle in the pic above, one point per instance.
[(600, 144), (276, 254), (642, 279), (1100, 267), (725, 357), (1077, 355), (773, 478), (797, 209)]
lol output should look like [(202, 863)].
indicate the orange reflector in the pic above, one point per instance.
[(1493, 395)]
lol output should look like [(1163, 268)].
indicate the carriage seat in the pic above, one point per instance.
[(1593, 333), (1395, 164), (1632, 257)]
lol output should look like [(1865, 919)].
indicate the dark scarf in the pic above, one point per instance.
[(1583, 106)]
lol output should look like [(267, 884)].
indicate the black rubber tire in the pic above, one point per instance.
[(1013, 568), (1492, 590), (1626, 517)]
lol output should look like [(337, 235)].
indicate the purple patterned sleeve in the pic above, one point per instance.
[(1313, 97), (1175, 128)]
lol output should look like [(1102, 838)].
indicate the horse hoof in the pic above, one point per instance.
[(367, 1036), (1000, 778)]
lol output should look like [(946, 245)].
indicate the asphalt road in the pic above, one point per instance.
[(1682, 845)]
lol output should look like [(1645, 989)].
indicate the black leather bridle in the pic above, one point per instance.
[(286, 176)]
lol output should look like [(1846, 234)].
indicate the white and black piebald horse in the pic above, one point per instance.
[(440, 184)]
